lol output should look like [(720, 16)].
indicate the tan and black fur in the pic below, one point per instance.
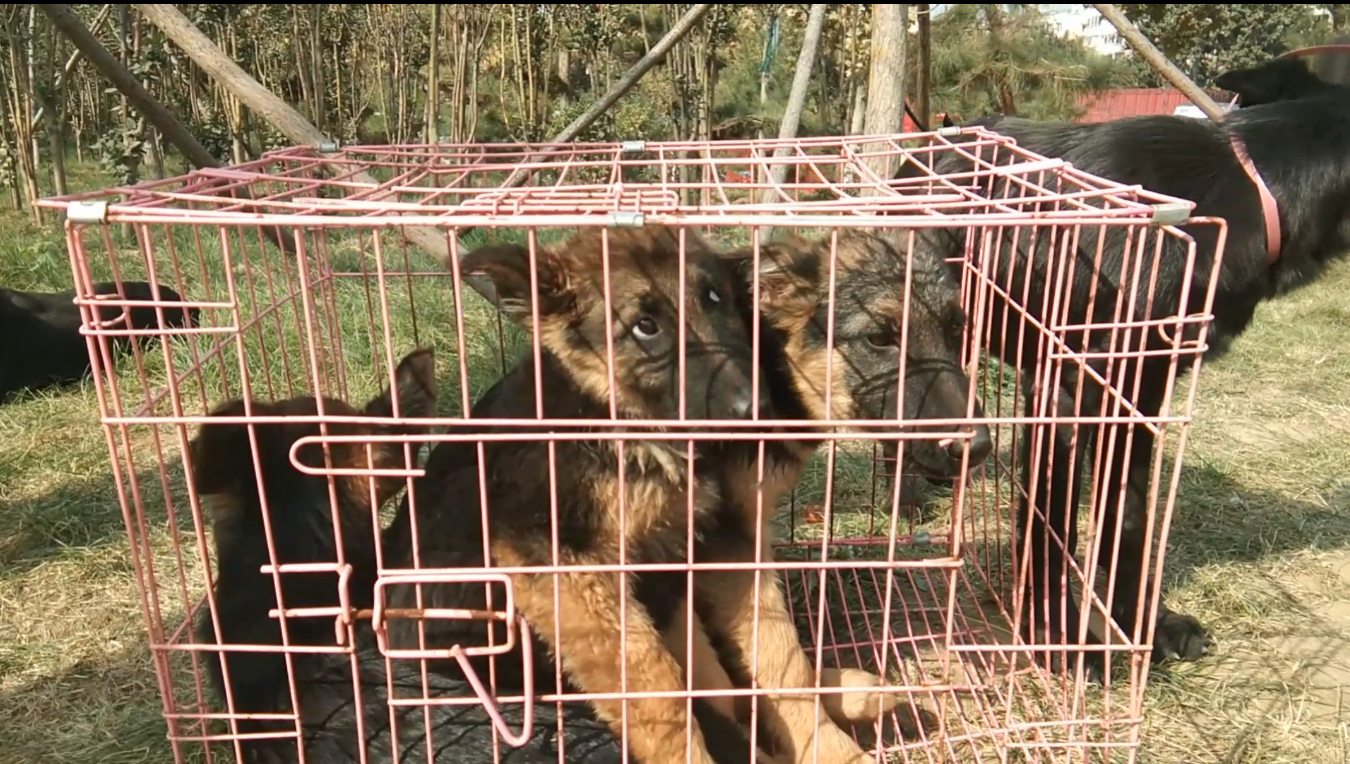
[(573, 317), (863, 379), (301, 516)]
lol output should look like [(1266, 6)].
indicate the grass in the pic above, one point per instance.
[(1260, 545)]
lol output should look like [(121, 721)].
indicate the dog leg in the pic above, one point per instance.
[(849, 708), (589, 647), (1175, 636), (731, 597), (707, 671), (1053, 455), (708, 674)]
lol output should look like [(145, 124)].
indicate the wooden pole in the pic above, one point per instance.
[(280, 115), (266, 104), (925, 65), (1158, 61), (630, 78), (70, 25), (214, 62)]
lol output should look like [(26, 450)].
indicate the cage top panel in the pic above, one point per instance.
[(850, 180)]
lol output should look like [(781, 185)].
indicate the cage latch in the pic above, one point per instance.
[(88, 213), (459, 653), (1171, 213)]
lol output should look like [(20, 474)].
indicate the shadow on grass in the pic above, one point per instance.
[(105, 709), (1245, 561), (1219, 520), (74, 518)]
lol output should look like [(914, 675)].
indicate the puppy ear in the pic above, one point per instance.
[(947, 121), (1278, 80), (789, 279), (501, 273), (220, 453), (414, 385)]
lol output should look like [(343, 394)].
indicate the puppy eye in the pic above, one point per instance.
[(714, 296), (882, 340), (646, 328)]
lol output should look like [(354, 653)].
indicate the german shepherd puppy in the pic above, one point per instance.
[(861, 372), (301, 518), (628, 502), (40, 342)]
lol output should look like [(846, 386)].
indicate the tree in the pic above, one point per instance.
[(989, 59), (787, 130), (886, 81), (1340, 16), (1206, 40)]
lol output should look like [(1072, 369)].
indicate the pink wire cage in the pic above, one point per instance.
[(928, 599)]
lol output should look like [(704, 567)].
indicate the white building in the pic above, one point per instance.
[(1085, 23)]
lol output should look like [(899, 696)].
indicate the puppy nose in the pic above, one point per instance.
[(981, 445), (745, 405)]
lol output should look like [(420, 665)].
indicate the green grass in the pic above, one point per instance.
[(1258, 547)]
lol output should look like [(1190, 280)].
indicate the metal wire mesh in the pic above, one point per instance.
[(916, 583)]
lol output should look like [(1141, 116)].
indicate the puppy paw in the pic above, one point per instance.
[(835, 746), (1179, 637), (849, 708)]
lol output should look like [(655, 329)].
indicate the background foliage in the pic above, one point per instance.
[(363, 72)]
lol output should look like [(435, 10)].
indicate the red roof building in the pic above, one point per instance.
[(1135, 102)]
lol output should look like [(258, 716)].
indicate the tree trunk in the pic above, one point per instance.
[(764, 68), (21, 113), (535, 109), (1340, 17), (31, 44), (855, 126), (501, 74), (469, 66), (11, 177), (434, 77), (925, 102), (301, 71), (318, 84), (523, 105), (53, 110), (886, 83), (792, 115), (234, 111), (1007, 102)]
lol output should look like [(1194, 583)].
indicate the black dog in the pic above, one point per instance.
[(40, 342), (1296, 129), (302, 528)]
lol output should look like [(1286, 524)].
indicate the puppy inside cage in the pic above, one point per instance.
[(649, 522)]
